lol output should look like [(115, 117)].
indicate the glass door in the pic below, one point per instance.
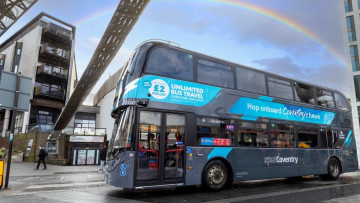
[(148, 146), (174, 146), (160, 157)]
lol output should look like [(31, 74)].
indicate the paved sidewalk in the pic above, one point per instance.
[(57, 184), (23, 176)]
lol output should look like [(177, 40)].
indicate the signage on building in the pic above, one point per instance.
[(44, 112), (75, 138), (7, 91)]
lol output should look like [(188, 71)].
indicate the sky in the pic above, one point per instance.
[(301, 39)]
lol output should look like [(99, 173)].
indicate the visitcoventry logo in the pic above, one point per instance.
[(279, 159)]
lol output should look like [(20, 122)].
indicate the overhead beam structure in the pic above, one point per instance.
[(11, 11), (126, 15)]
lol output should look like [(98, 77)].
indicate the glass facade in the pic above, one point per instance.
[(358, 108), (348, 5), (357, 87), (354, 57), (351, 28)]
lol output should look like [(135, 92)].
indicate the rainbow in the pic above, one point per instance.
[(267, 13), (94, 16)]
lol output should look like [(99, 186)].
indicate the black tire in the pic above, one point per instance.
[(215, 176), (334, 170)]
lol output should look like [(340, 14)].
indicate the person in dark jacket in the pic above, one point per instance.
[(102, 158), (42, 155)]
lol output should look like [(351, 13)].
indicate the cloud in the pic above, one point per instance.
[(245, 27), (332, 76)]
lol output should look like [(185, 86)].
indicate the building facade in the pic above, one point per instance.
[(43, 50), (351, 29), (104, 99)]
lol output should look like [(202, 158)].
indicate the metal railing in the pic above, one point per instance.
[(67, 130), (53, 71), (47, 91), (57, 30)]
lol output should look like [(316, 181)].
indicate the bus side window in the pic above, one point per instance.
[(215, 74), (324, 98), (215, 132), (282, 135), (250, 81), (304, 93), (341, 102), (326, 138), (307, 137), (252, 134)]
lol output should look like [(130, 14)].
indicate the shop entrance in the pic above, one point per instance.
[(83, 156)]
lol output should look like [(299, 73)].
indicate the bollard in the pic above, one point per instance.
[(1, 172)]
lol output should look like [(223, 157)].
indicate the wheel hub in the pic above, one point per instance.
[(334, 168), (216, 175)]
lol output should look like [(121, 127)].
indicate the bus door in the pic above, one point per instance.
[(160, 153)]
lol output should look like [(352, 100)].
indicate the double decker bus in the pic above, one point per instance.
[(184, 118)]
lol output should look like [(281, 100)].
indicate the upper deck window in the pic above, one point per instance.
[(171, 63), (341, 102), (304, 93), (250, 81), (215, 74), (280, 88), (324, 98)]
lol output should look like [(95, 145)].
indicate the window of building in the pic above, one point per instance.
[(304, 93), (85, 123), (171, 63), (47, 69), (252, 134), (348, 6), (324, 98), (45, 88), (250, 81), (215, 132), (357, 87), (307, 137), (351, 28), (341, 102), (52, 147), (280, 88), (215, 74), (45, 119), (354, 58), (282, 135)]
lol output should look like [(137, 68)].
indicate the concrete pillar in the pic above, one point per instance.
[(26, 119), (6, 122)]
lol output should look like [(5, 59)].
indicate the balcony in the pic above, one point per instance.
[(54, 55), (56, 34), (49, 92), (52, 71)]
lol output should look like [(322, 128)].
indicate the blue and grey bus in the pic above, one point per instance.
[(184, 118)]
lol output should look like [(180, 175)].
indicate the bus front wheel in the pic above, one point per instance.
[(334, 169), (215, 176)]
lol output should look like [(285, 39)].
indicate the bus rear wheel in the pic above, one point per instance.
[(215, 176), (334, 169)]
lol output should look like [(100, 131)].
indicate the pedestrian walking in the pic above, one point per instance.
[(2, 153), (42, 155), (102, 158)]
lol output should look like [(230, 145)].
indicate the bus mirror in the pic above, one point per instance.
[(143, 102)]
